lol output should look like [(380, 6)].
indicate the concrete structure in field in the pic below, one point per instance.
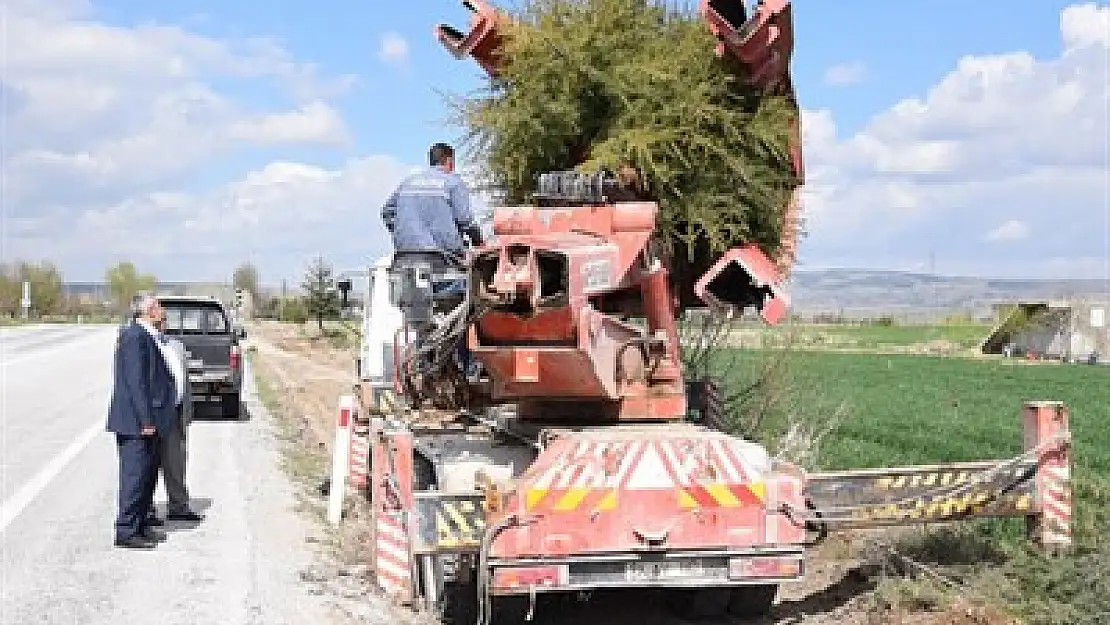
[(1074, 330)]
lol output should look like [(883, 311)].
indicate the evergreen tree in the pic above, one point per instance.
[(321, 294), (589, 84)]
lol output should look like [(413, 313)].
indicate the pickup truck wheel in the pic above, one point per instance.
[(230, 405)]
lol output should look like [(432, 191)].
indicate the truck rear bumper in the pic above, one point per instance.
[(213, 383), (686, 569)]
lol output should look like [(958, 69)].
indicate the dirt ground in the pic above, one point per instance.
[(844, 582)]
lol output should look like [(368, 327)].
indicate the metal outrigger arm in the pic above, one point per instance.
[(1035, 484)]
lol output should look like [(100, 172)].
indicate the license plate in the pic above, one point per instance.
[(658, 571), (196, 364)]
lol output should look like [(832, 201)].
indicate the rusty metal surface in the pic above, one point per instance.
[(908, 495)]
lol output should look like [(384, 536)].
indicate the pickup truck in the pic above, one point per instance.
[(212, 349)]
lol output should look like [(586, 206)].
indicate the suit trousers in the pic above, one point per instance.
[(136, 468), (172, 456)]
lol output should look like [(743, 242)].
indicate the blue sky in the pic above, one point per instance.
[(232, 171), (906, 47)]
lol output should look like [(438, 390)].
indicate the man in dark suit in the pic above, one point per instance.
[(144, 402)]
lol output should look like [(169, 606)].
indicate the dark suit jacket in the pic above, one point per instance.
[(143, 391)]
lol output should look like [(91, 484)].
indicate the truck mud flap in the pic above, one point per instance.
[(448, 523)]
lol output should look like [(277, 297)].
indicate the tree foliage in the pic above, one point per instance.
[(9, 291), (245, 277), (591, 84), (124, 282), (321, 293), (45, 285)]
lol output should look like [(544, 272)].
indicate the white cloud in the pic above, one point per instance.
[(280, 215), (315, 122), (107, 125), (846, 74), (394, 49), (1005, 137), (1012, 230), (102, 112)]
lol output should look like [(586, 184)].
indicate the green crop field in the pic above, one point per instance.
[(871, 337), (906, 409)]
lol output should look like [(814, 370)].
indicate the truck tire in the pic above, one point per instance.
[(752, 601), (701, 603), (510, 610), (459, 603), (230, 405)]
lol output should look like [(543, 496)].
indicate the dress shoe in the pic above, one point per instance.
[(135, 542), (188, 515), (153, 536)]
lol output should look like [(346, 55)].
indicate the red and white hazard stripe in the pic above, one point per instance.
[(358, 469), (390, 476), (1056, 504), (391, 554)]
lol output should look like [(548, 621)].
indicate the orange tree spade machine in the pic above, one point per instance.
[(570, 461)]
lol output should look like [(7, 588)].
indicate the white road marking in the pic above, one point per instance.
[(22, 498)]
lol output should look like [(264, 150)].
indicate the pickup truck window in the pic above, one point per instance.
[(194, 318)]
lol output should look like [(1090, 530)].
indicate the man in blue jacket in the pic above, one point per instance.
[(144, 403), (429, 213), (428, 216)]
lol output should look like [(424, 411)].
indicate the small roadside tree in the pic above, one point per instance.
[(124, 282), (245, 277), (46, 287), (9, 290), (321, 293)]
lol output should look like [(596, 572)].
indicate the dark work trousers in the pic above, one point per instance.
[(152, 476), (136, 466), (171, 453)]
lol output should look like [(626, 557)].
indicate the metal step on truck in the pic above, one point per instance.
[(577, 456)]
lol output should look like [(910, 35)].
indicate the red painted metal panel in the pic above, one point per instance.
[(683, 489), (391, 499)]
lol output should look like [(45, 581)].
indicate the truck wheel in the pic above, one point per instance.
[(710, 602), (230, 405), (510, 610), (752, 601), (699, 604), (460, 603)]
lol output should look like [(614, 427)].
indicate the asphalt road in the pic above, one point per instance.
[(58, 490)]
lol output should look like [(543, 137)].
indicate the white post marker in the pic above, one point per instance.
[(340, 458)]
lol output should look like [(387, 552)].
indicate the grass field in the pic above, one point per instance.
[(906, 409), (870, 337), (915, 409)]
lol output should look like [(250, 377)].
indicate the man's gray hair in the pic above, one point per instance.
[(143, 303)]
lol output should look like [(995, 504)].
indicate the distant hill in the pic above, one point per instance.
[(857, 292), (851, 292)]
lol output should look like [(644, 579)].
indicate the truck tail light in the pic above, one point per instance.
[(525, 576), (774, 567), (235, 356)]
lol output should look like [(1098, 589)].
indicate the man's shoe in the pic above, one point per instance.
[(188, 515), (153, 536), (135, 542)]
